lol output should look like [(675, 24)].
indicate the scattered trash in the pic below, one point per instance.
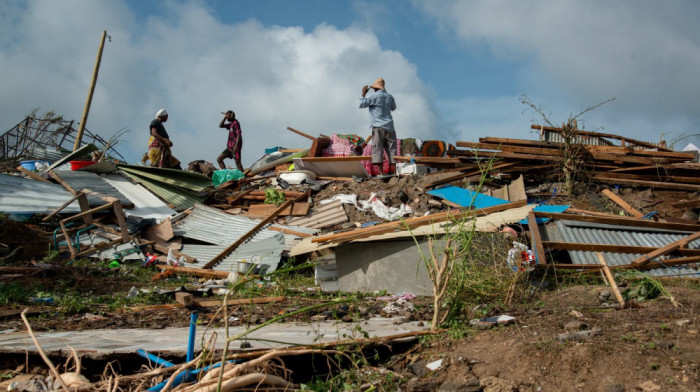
[(490, 322)]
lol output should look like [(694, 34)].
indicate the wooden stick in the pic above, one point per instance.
[(611, 279), (536, 239), (640, 261), (622, 203), (32, 174), (301, 133), (41, 352)]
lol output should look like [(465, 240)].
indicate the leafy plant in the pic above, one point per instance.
[(273, 196)]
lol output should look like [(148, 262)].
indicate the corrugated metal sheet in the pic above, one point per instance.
[(84, 180), (45, 154), (269, 251), (25, 196), (322, 216), (555, 137), (180, 199), (191, 181), (595, 233), (219, 228), (146, 204), (75, 155)]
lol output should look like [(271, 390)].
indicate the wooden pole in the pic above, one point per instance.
[(611, 279), (86, 110)]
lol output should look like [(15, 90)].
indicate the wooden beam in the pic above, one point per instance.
[(646, 184), (59, 180), (622, 203), (652, 177), (32, 174), (59, 209), (301, 133), (621, 221), (412, 223), (242, 301), (251, 232), (200, 272), (640, 261), (455, 177), (536, 239), (589, 212), (611, 279)]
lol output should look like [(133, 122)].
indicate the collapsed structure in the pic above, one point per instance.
[(108, 208)]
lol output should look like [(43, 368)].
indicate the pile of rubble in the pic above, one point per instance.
[(321, 202)]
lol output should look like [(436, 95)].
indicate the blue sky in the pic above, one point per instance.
[(457, 68)]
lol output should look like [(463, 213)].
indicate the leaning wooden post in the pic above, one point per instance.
[(86, 110)]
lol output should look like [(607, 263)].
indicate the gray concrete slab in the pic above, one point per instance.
[(102, 342), (395, 266)]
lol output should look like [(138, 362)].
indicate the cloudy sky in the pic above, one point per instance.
[(456, 68)]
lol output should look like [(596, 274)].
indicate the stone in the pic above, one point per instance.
[(615, 388), (575, 326), (603, 295), (469, 386), (495, 384), (580, 336), (649, 386)]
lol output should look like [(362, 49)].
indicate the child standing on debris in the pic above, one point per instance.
[(380, 104), (235, 140)]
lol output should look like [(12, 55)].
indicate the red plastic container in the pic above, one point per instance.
[(75, 165)]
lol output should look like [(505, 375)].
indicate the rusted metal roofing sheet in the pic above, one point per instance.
[(322, 216), (269, 251), (26, 196), (596, 233), (219, 228)]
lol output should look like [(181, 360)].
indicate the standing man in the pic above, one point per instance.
[(380, 104), (159, 142), (235, 140)]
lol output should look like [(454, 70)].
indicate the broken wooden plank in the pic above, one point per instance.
[(412, 223), (199, 272), (251, 232), (646, 184), (458, 176), (300, 133), (622, 203), (184, 298), (611, 279), (264, 210), (242, 301), (640, 261), (536, 239), (588, 212), (31, 174)]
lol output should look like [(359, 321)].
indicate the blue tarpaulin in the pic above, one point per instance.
[(546, 208), (464, 197)]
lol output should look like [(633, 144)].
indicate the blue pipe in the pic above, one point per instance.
[(156, 359), (187, 374)]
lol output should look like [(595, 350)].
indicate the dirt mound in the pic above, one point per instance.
[(21, 242)]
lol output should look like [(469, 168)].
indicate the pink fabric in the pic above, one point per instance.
[(339, 147), (385, 163)]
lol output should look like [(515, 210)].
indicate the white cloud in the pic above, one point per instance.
[(196, 66), (573, 54)]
